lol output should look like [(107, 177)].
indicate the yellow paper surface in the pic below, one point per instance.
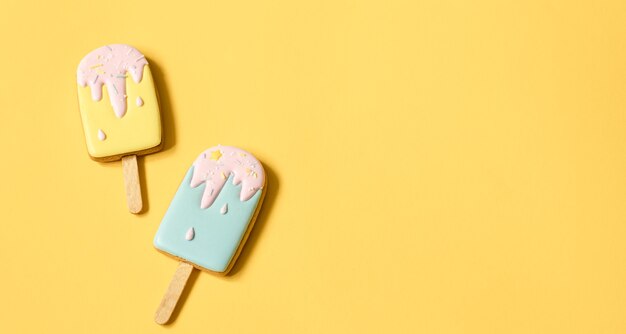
[(434, 166)]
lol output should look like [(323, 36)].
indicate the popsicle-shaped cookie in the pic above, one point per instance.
[(210, 217), (120, 111)]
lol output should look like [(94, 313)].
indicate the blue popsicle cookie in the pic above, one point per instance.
[(209, 219)]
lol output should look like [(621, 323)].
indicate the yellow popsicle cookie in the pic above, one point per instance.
[(118, 103), (120, 111)]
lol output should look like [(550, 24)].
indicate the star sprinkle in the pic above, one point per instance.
[(216, 155)]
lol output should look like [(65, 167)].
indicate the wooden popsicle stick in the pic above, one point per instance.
[(174, 290), (131, 183)]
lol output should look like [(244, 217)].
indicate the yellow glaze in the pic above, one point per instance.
[(138, 130)]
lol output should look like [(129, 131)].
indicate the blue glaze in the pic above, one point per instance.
[(217, 236)]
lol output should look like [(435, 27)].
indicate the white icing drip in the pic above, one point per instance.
[(139, 101), (224, 209), (101, 135), (190, 234)]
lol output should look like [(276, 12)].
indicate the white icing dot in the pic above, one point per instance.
[(190, 234), (139, 101), (101, 135), (224, 209)]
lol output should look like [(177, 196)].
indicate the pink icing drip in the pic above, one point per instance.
[(108, 66), (246, 169)]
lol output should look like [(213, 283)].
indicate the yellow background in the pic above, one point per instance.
[(434, 166)]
